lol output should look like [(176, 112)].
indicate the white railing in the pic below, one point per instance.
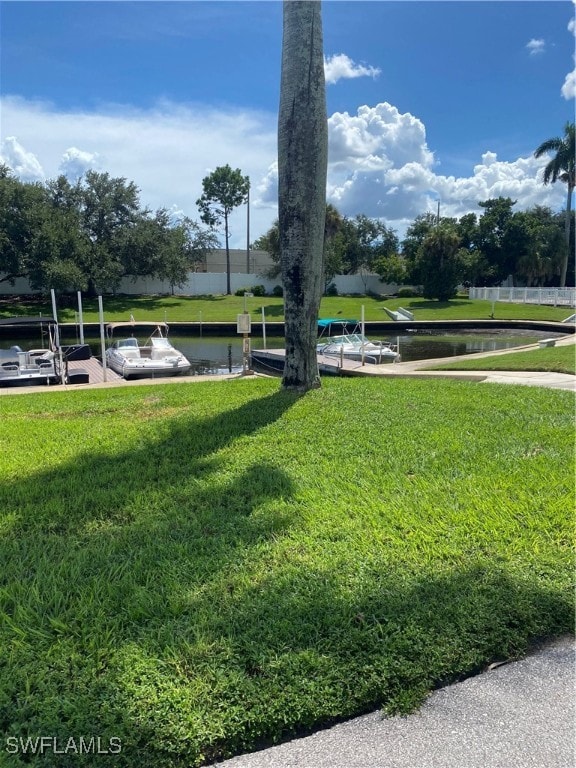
[(557, 297)]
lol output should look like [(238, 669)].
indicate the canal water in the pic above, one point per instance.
[(212, 355)]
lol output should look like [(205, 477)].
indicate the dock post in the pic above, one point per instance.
[(80, 317), (102, 340)]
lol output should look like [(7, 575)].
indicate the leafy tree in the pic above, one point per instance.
[(440, 263), (562, 168), (416, 233), (539, 245), (302, 168), (391, 269), (366, 241), (492, 242), (368, 245), (23, 209), (331, 253), (189, 247), (109, 208), (224, 190), (270, 242), (91, 234), (61, 247)]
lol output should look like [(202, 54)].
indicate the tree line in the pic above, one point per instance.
[(90, 234), (440, 253)]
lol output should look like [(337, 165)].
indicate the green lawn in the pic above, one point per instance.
[(198, 569), (561, 359), (225, 308)]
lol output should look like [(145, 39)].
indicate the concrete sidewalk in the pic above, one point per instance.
[(519, 715), (423, 369), (531, 378)]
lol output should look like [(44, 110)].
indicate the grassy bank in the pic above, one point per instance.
[(225, 309), (202, 568), (561, 359)]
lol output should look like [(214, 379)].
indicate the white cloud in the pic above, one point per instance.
[(536, 47), (24, 163), (379, 160), (341, 67), (166, 150), (377, 138), (75, 162), (568, 90), (380, 165)]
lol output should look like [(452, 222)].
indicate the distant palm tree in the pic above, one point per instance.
[(562, 168)]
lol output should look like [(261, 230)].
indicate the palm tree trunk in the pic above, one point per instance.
[(302, 165), (567, 235)]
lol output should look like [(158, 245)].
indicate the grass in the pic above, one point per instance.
[(225, 308), (201, 569), (560, 359)]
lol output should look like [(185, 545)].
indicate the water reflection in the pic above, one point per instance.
[(213, 355)]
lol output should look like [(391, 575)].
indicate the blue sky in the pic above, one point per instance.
[(426, 100)]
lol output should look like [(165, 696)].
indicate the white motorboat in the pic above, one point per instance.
[(353, 346), (157, 357)]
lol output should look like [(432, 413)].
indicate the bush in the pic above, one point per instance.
[(332, 290), (258, 290), (242, 291), (278, 291), (407, 293)]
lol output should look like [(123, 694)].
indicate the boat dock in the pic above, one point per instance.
[(331, 365), (93, 367), (273, 360)]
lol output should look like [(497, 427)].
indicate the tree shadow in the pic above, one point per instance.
[(87, 568), (304, 653), (437, 305), (140, 608), (130, 304), (24, 306), (274, 310), (187, 449)]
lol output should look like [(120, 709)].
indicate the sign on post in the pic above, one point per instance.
[(243, 323)]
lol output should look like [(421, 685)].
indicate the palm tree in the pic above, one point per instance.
[(562, 168), (302, 166)]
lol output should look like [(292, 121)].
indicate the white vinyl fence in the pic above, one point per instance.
[(214, 283), (557, 297)]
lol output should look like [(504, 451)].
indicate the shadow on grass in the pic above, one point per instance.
[(418, 304), (137, 603), (298, 652), (341, 653), (25, 306), (131, 304), (273, 310), (102, 487)]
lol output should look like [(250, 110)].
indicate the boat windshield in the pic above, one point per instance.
[(131, 342), (160, 343)]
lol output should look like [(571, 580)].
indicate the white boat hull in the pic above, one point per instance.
[(358, 350), (156, 358), (142, 368)]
